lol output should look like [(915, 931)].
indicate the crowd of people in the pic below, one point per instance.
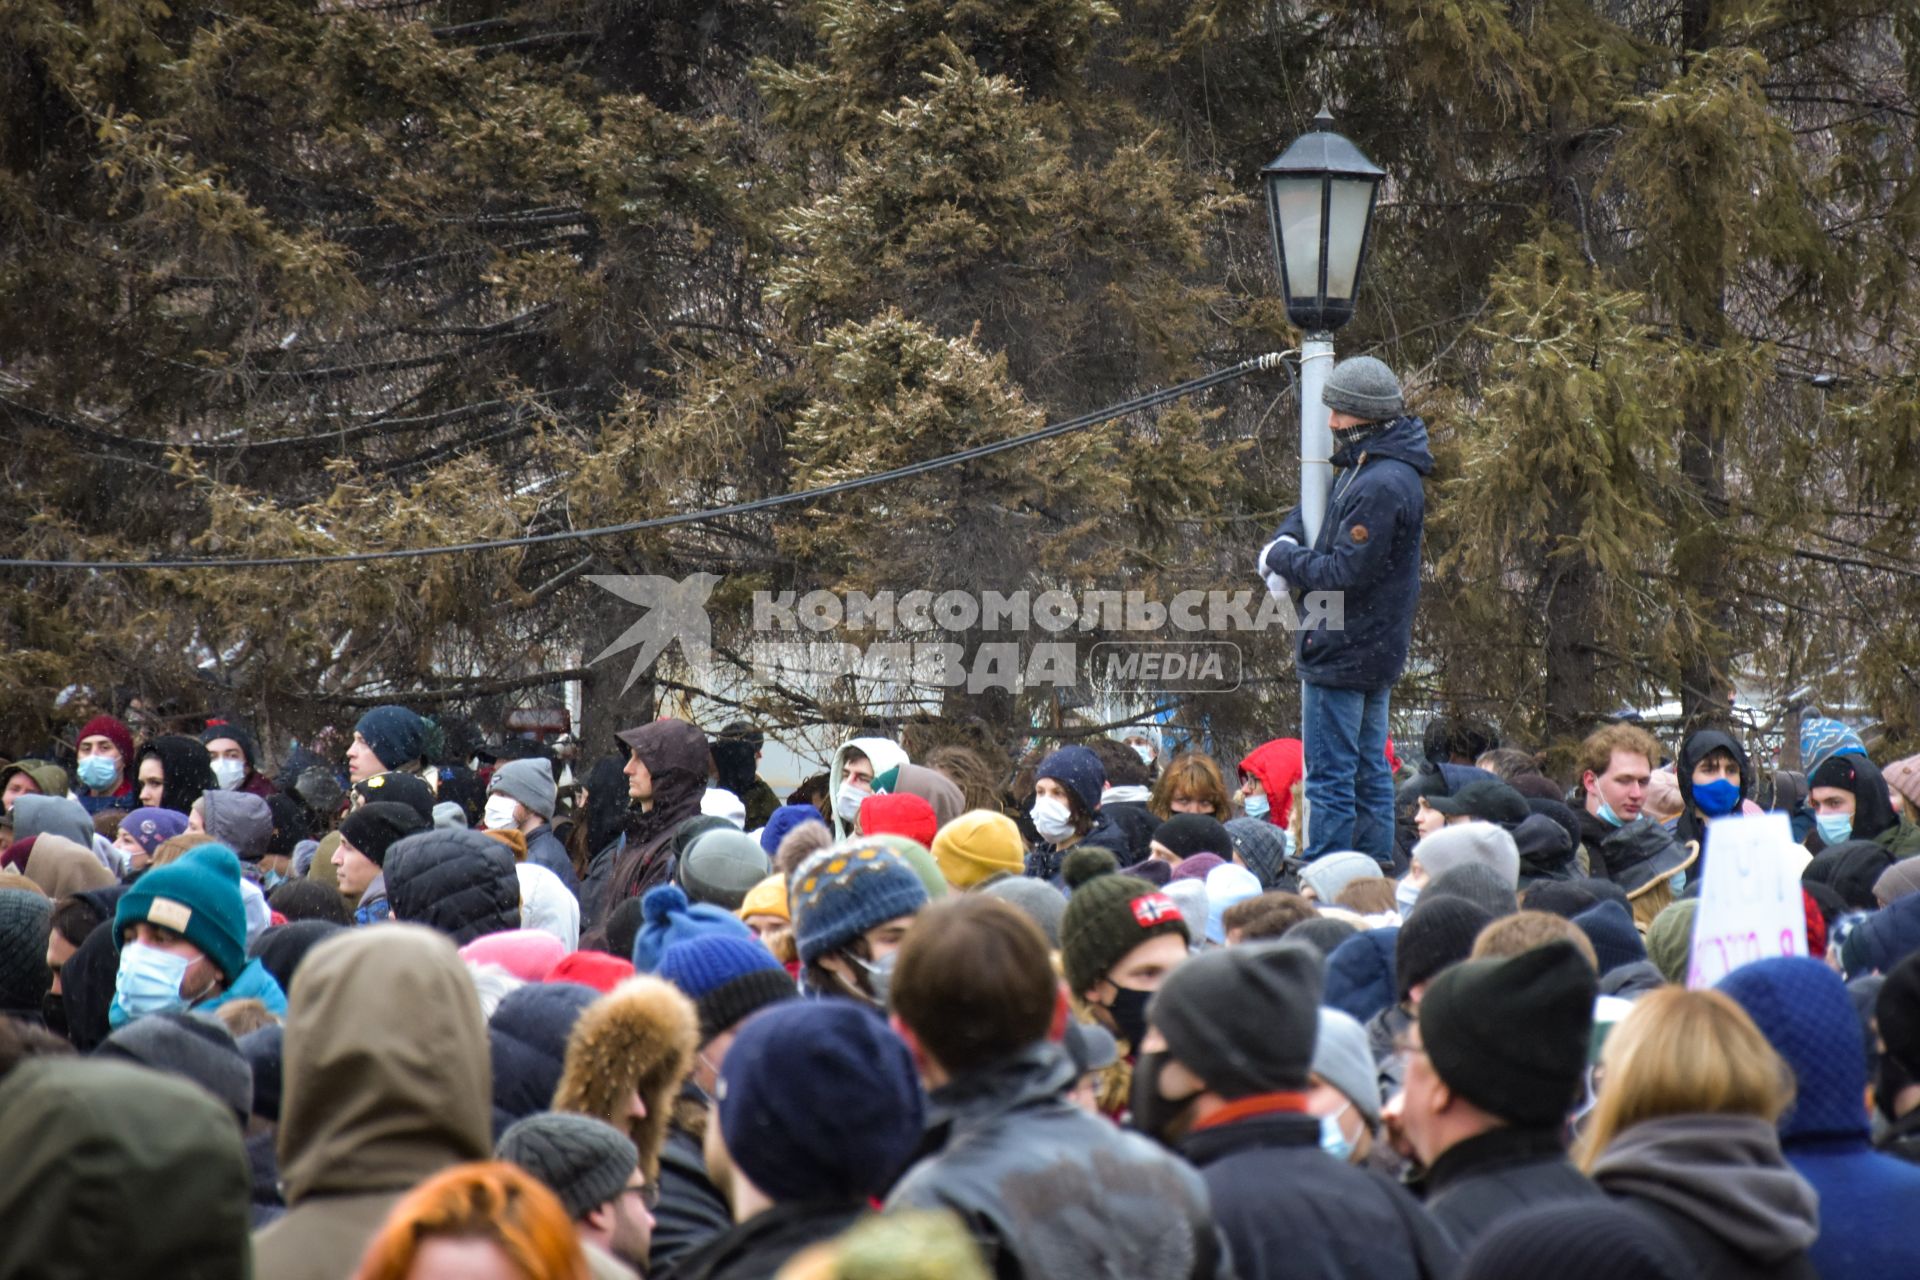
[(402, 1017)]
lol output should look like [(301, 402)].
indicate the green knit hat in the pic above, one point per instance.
[(198, 897), (1670, 939), (1108, 916)]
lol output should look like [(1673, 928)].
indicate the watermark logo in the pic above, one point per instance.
[(676, 610), (793, 634)]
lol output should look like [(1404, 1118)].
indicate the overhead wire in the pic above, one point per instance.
[(1149, 400)]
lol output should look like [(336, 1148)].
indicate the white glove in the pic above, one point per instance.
[(1276, 584)]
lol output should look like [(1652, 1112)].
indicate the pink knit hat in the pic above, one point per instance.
[(528, 954)]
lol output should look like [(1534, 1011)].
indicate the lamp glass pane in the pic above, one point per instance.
[(1296, 209), (1348, 207)]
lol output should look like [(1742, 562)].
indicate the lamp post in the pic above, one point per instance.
[(1320, 195)]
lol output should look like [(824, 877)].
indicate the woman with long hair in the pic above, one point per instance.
[(1683, 1132), (1191, 784), (487, 1221)]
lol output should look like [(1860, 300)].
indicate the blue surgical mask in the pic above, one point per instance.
[(97, 772), (1835, 827), (1404, 896), (1716, 799), (1608, 816), (148, 982), (1679, 883), (1333, 1139), (1257, 806)]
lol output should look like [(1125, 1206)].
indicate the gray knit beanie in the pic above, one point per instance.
[(1365, 388), (191, 1046), (586, 1162)]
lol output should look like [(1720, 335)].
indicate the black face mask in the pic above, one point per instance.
[(1153, 1114), (1128, 1009), (53, 1008)]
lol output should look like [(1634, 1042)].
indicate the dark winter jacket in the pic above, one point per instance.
[(1722, 1185), (1134, 823), (1287, 1209), (691, 1212), (1044, 861), (545, 849), (1050, 1191), (459, 882), (764, 1243), (1883, 939), (1638, 854), (1902, 1138), (1476, 1183), (1368, 549), (676, 755)]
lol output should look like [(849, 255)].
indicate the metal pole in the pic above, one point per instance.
[(1316, 439), (1316, 481)]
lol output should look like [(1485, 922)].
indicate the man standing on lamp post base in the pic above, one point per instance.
[(1368, 549)]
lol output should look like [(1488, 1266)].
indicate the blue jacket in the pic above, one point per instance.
[(1867, 1223), (1368, 549)]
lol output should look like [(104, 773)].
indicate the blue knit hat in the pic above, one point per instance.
[(1360, 974), (818, 1100), (396, 735), (1803, 1009), (666, 917), (785, 819), (727, 978), (840, 893), (1616, 941), (1079, 771), (1821, 738), (198, 897)]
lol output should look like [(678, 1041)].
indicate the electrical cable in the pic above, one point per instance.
[(1149, 400)]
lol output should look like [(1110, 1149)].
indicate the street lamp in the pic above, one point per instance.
[(1320, 194)]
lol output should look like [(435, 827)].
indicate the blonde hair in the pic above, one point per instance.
[(170, 849), (1525, 930), (1683, 1052)]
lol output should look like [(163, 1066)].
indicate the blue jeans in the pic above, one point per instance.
[(1349, 789)]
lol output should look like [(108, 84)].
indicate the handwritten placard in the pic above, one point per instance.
[(1750, 905)]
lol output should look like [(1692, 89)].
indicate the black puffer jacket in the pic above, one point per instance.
[(459, 882)]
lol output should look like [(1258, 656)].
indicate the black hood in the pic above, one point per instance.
[(1698, 747), (1872, 808), (185, 767)]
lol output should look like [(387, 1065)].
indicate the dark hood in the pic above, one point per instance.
[(460, 882), (185, 767), (1724, 1173), (1851, 869), (1699, 746), (116, 1170), (1040, 1071), (1872, 808), (1402, 439), (677, 756), (1546, 850)]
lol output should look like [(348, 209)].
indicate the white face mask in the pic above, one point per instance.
[(1052, 819), (229, 773), (847, 802), (1404, 896), (1145, 753), (498, 815)]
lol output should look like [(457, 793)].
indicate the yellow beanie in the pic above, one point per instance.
[(977, 845), (768, 898)]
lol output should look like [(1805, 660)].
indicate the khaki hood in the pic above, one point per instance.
[(62, 868), (388, 1078)]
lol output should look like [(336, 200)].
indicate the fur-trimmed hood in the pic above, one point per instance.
[(640, 1036)]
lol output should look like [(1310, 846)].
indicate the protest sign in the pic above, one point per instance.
[(1750, 904)]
